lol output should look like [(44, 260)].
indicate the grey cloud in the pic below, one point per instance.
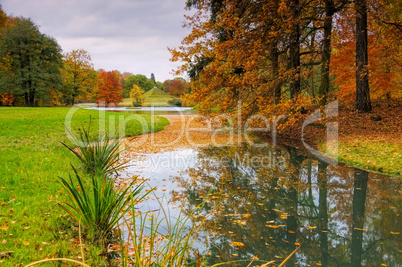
[(128, 35)]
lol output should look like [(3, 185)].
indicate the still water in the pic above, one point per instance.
[(265, 202), (150, 110)]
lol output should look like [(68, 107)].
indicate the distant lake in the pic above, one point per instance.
[(151, 110)]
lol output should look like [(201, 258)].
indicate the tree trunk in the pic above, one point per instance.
[(363, 103), (323, 212), (359, 205), (275, 74), (326, 52), (294, 49), (26, 99)]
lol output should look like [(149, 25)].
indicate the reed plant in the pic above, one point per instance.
[(98, 157), (98, 205), (94, 200)]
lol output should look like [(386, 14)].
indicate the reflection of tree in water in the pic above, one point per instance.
[(272, 209)]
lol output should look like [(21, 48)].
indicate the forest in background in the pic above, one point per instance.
[(282, 57)]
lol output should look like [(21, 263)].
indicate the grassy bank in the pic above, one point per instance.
[(379, 156), (364, 142), (31, 159)]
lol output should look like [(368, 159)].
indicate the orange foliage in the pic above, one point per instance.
[(241, 55), (384, 55), (176, 87), (6, 99), (110, 90)]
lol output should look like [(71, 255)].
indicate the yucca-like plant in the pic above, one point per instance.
[(97, 204), (99, 157)]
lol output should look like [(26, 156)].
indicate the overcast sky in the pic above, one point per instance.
[(124, 35)]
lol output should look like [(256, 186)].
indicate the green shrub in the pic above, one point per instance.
[(175, 102)]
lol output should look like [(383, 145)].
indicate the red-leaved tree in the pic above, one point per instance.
[(110, 90)]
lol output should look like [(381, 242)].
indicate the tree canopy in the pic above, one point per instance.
[(31, 62), (139, 79), (78, 74), (276, 57), (110, 91), (136, 95)]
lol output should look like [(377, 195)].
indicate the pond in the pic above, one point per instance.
[(265, 202), (150, 110)]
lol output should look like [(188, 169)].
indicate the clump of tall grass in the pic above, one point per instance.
[(98, 157), (160, 240), (97, 204), (94, 201)]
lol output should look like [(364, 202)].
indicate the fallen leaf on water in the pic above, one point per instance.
[(275, 226), (395, 233), (240, 222), (235, 254), (360, 229), (237, 244)]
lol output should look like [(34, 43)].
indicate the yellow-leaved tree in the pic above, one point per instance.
[(79, 76), (136, 95)]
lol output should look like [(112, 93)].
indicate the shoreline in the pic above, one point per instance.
[(360, 148)]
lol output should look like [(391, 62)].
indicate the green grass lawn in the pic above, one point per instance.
[(31, 160)]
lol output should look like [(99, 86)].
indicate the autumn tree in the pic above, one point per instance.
[(78, 74), (331, 7), (176, 87), (110, 90), (274, 57), (363, 103), (384, 54), (241, 53), (6, 98), (3, 18), (33, 61), (136, 95)]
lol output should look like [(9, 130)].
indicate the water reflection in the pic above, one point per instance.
[(264, 202)]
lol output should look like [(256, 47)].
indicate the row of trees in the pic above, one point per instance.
[(276, 55), (33, 71)]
